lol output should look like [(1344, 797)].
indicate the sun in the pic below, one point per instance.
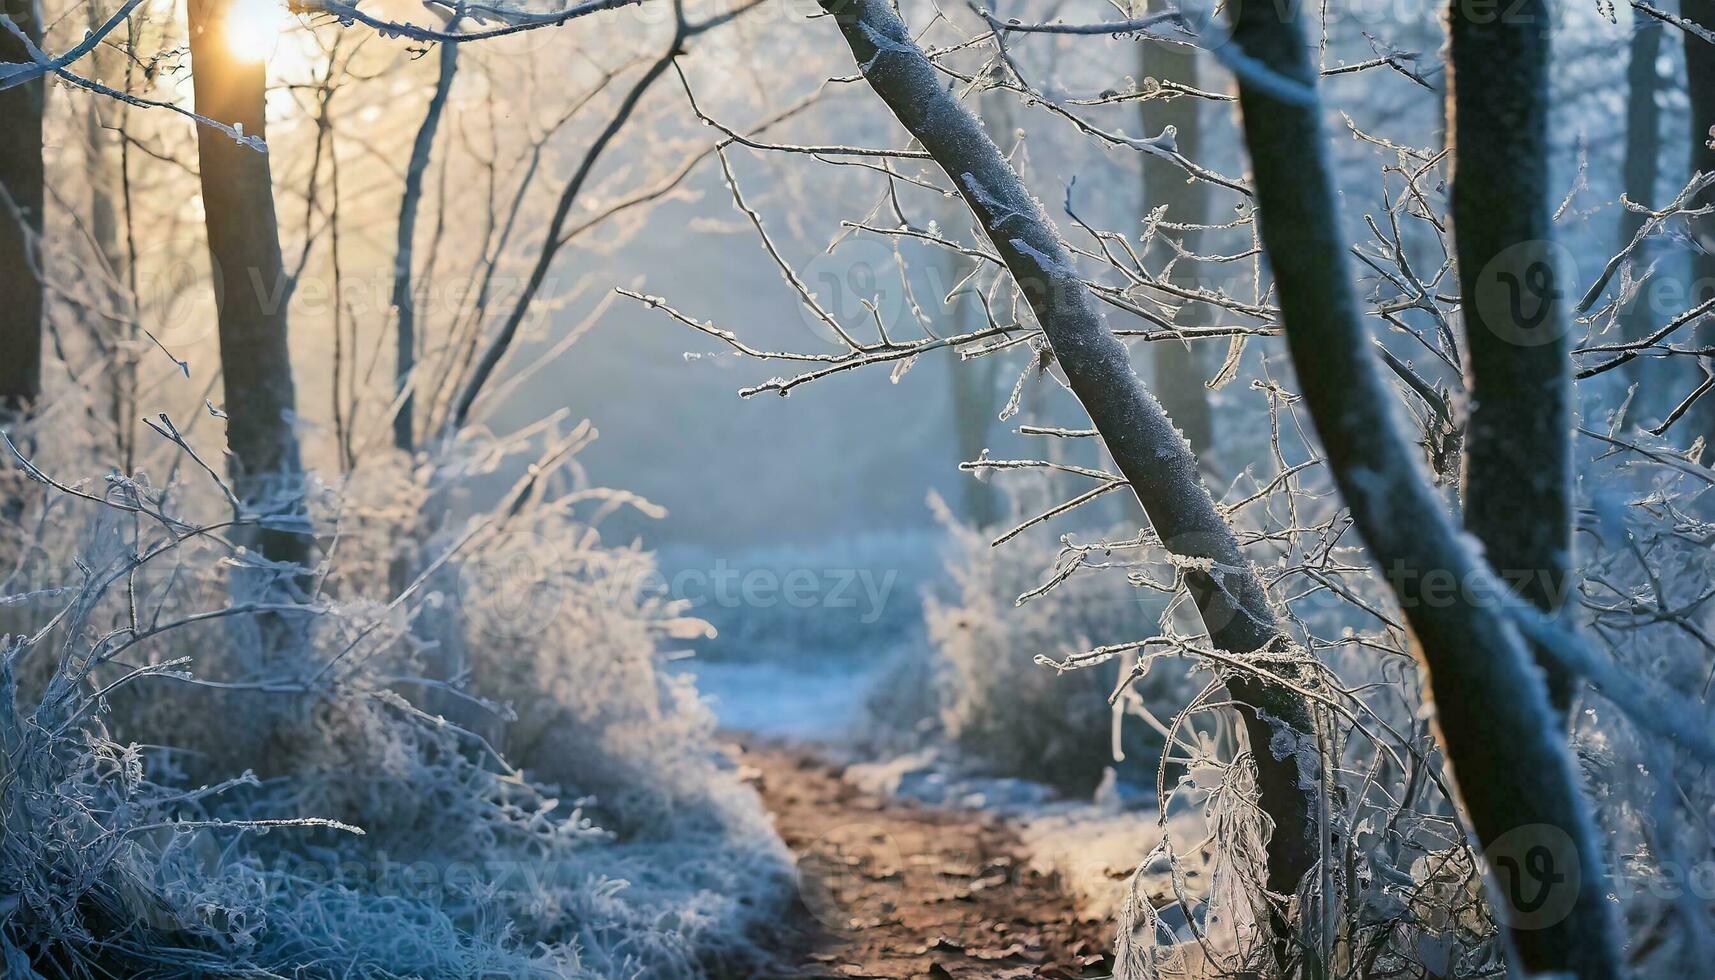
[(253, 28)]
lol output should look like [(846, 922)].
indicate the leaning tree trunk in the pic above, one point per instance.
[(1700, 86), (21, 192), (1501, 738), (1141, 438), (1179, 369), (251, 289), (1518, 443)]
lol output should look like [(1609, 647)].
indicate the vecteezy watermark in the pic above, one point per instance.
[(519, 584), (1523, 295), (1441, 588), (862, 590), (1535, 876), (1666, 881)]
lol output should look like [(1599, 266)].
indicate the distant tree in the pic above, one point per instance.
[(1179, 368), (974, 411), (404, 304), (1700, 86), (21, 198), (1642, 167), (554, 237), (114, 328), (1513, 771), (250, 283), (975, 407)]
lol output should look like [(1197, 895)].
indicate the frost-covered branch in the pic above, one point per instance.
[(513, 21), (13, 73)]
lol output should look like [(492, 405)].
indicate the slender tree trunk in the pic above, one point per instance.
[(1642, 166), (21, 194), (399, 569), (1180, 370), (1500, 735), (1700, 85), (503, 339), (1150, 453), (404, 306), (106, 182), (1518, 443), (973, 393), (251, 289), (973, 382)]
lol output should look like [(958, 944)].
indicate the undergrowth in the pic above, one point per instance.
[(215, 765)]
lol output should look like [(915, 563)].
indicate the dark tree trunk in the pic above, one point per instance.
[(1518, 442), (1515, 777), (251, 289), (1149, 452), (21, 193), (1700, 85), (1642, 167), (1180, 368)]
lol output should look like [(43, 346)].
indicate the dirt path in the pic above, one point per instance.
[(900, 891)]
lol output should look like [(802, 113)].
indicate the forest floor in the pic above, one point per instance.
[(892, 889)]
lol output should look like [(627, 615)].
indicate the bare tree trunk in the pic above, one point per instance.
[(106, 183), (1180, 372), (974, 412), (251, 289), (1642, 166), (21, 195), (503, 339), (1700, 86), (404, 306), (1515, 777), (1518, 443), (1149, 451), (975, 408)]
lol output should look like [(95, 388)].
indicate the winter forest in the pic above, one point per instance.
[(1150, 489)]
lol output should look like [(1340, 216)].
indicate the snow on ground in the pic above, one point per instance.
[(784, 700), (928, 776), (1095, 849)]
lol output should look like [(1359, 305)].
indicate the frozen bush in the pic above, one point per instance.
[(1006, 710), (387, 829)]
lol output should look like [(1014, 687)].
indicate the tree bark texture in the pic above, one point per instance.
[(1502, 740)]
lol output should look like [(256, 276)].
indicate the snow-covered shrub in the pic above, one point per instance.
[(1001, 704), (441, 788)]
